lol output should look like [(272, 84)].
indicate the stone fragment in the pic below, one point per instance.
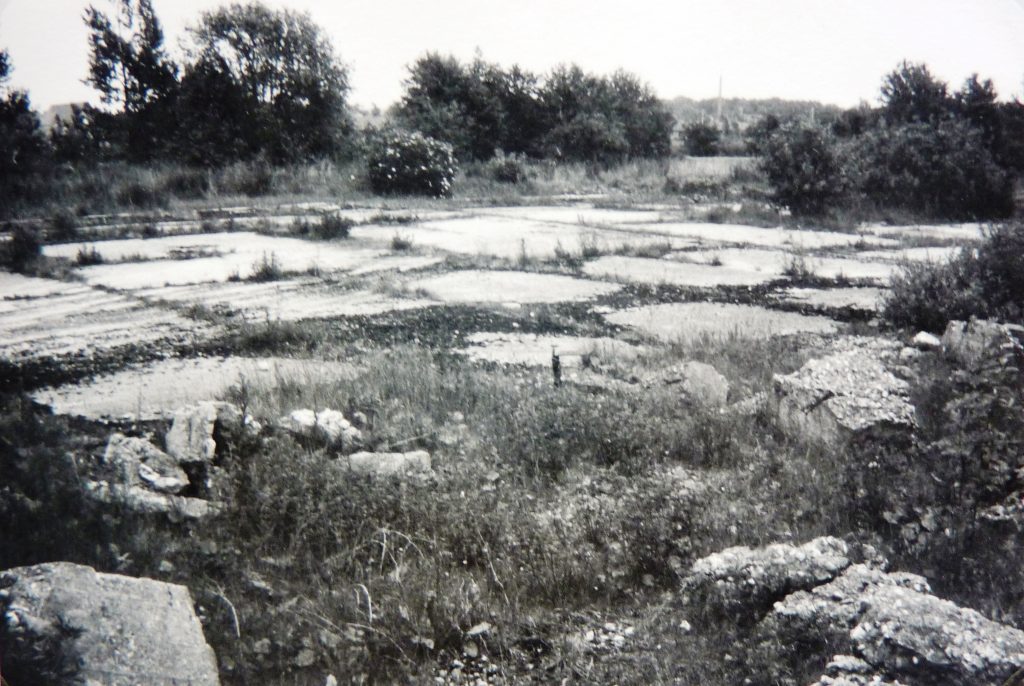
[(144, 501), (888, 627), (894, 624), (330, 425), (970, 344), (388, 463), (137, 462), (191, 437), (66, 622), (926, 341), (748, 580), (700, 383)]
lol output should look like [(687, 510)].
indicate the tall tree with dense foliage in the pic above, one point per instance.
[(287, 68), (451, 102), (128, 64), (22, 145), (647, 122), (130, 68), (910, 93), (481, 108), (701, 140)]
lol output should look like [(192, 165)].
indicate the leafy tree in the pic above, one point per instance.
[(87, 136), (524, 117), (976, 102), (701, 140), (944, 171), (855, 121), (1011, 152), (127, 61), (647, 122), (481, 108), (805, 169), (286, 66), (130, 68), (457, 104), (214, 116), (582, 123), (22, 145), (757, 134), (910, 93)]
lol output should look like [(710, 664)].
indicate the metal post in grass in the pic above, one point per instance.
[(556, 367)]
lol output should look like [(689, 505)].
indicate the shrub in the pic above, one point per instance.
[(804, 168), (22, 248), (63, 225), (943, 171), (986, 282), (411, 164), (507, 169), (701, 140)]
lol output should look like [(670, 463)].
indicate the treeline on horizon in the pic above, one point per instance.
[(266, 85)]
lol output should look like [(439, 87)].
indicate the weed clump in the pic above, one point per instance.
[(142, 195), (188, 183), (330, 227), (267, 268), (401, 243), (87, 256)]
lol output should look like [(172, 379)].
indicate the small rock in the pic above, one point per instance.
[(908, 354), (329, 424), (305, 658), (388, 463), (926, 341)]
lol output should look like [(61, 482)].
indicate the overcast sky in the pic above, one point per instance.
[(830, 50)]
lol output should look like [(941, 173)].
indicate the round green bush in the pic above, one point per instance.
[(411, 164)]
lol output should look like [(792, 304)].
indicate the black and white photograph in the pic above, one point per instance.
[(501, 342)]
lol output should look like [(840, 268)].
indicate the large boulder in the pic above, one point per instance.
[(894, 624), (137, 462), (699, 384), (846, 393), (803, 603), (744, 582), (66, 623), (192, 434)]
